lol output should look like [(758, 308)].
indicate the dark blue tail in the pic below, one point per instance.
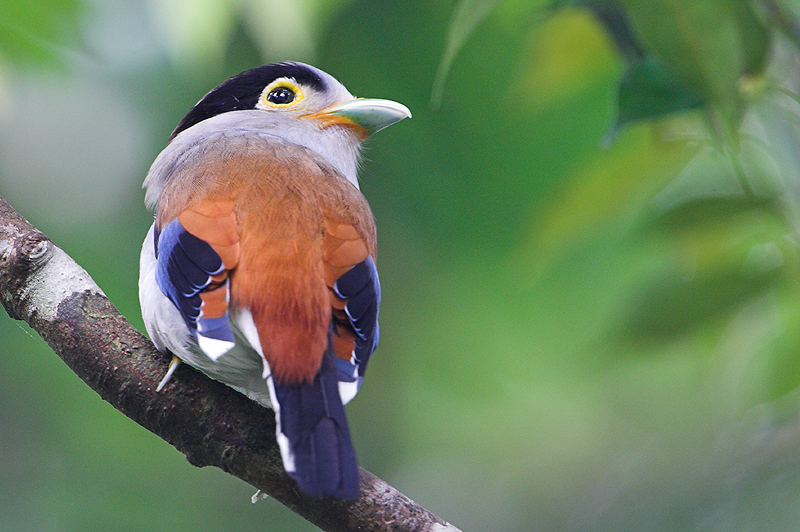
[(313, 421)]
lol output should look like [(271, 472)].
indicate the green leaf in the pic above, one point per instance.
[(650, 90), (729, 249), (708, 44), (615, 21), (468, 15)]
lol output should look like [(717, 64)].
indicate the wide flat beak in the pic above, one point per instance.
[(368, 114)]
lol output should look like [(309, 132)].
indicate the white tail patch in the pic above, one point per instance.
[(245, 323), (348, 390), (213, 347), (283, 442)]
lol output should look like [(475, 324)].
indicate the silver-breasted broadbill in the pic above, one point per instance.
[(259, 269)]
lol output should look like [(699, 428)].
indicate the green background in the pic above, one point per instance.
[(584, 327)]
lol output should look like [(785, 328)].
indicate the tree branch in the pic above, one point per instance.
[(207, 421)]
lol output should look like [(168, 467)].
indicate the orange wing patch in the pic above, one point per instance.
[(342, 248), (213, 221), (215, 296)]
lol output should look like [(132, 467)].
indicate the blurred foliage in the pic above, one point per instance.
[(588, 251), (30, 32), (649, 90), (733, 44)]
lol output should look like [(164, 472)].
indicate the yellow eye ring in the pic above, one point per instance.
[(282, 92)]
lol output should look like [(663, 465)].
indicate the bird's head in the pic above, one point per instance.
[(299, 103)]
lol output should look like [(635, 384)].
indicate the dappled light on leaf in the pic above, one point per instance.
[(608, 188), (564, 56)]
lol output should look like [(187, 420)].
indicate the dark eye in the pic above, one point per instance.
[(281, 95)]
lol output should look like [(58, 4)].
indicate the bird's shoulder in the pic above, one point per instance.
[(266, 178)]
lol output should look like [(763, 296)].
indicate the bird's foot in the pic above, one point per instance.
[(173, 365)]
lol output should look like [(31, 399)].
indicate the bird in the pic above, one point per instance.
[(260, 266)]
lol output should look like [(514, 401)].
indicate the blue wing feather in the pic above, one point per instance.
[(361, 287), (184, 268)]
